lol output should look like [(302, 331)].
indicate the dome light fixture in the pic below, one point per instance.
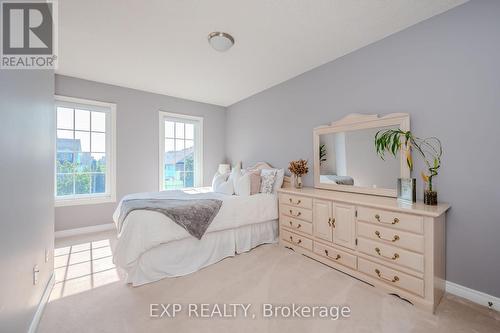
[(220, 41)]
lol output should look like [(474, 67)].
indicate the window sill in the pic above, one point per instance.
[(83, 201)]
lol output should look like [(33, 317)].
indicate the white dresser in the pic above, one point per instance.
[(398, 248)]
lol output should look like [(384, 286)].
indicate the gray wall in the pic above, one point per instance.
[(137, 142), (26, 192), (446, 73)]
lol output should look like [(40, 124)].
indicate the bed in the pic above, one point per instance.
[(150, 246)]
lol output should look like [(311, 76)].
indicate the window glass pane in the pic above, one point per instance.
[(170, 177), (169, 145), (83, 162), (98, 143), (179, 130), (82, 120), (64, 163), (189, 143), (190, 131), (99, 121), (82, 183), (64, 134), (98, 181), (179, 145), (169, 129), (189, 179), (64, 184), (65, 141), (64, 118), (98, 162), (82, 141)]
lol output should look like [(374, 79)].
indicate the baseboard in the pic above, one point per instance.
[(41, 305), (473, 295), (84, 230)]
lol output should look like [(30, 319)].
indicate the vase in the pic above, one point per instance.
[(297, 181), (430, 197), (430, 194)]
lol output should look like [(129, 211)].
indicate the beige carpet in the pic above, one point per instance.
[(90, 296)]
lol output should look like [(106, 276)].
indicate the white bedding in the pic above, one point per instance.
[(143, 230)]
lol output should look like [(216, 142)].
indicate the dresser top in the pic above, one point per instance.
[(374, 201)]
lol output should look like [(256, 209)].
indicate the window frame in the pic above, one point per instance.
[(98, 198), (198, 145)]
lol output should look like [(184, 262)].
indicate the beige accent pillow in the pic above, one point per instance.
[(254, 182)]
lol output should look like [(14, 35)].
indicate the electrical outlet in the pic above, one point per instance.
[(36, 271), (47, 253)]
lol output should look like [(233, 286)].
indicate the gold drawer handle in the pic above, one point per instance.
[(394, 257), (394, 239), (295, 203), (331, 222), (298, 226), (377, 217), (394, 279), (298, 242), (336, 258), (298, 214)]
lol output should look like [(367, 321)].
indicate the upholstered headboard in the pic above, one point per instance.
[(287, 181)]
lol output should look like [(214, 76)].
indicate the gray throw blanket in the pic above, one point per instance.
[(194, 215)]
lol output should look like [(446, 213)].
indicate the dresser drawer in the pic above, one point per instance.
[(295, 239), (392, 277), (390, 236), (392, 254), (335, 255), (295, 200), (391, 219), (296, 224), (296, 212)]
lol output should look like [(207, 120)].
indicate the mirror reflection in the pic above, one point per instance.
[(350, 158)]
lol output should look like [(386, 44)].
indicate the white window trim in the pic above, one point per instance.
[(198, 143), (111, 163)]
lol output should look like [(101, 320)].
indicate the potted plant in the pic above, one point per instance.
[(298, 169), (430, 149)]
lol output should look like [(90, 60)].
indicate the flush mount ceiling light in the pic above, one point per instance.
[(220, 41)]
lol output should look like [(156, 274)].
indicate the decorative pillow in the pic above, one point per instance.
[(255, 181), (235, 175), (268, 177), (219, 179), (221, 184), (243, 185), (280, 176), (225, 188)]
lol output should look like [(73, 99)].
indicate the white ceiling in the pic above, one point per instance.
[(161, 45)]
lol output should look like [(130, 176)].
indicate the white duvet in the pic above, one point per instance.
[(142, 230)]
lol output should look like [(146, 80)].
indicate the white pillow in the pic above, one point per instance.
[(225, 188), (219, 179), (280, 176), (243, 186), (235, 175), (221, 184), (268, 177)]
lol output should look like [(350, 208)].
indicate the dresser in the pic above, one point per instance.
[(398, 248)]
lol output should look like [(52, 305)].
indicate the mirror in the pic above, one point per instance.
[(346, 159)]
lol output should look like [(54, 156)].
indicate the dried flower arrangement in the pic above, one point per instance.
[(298, 168)]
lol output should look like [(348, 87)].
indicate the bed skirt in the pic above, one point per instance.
[(188, 255)]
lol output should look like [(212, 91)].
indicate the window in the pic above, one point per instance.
[(180, 151), (85, 163)]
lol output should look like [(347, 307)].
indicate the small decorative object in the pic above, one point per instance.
[(429, 148), (322, 154), (298, 169)]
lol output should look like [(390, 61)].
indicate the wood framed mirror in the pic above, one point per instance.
[(345, 157)]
